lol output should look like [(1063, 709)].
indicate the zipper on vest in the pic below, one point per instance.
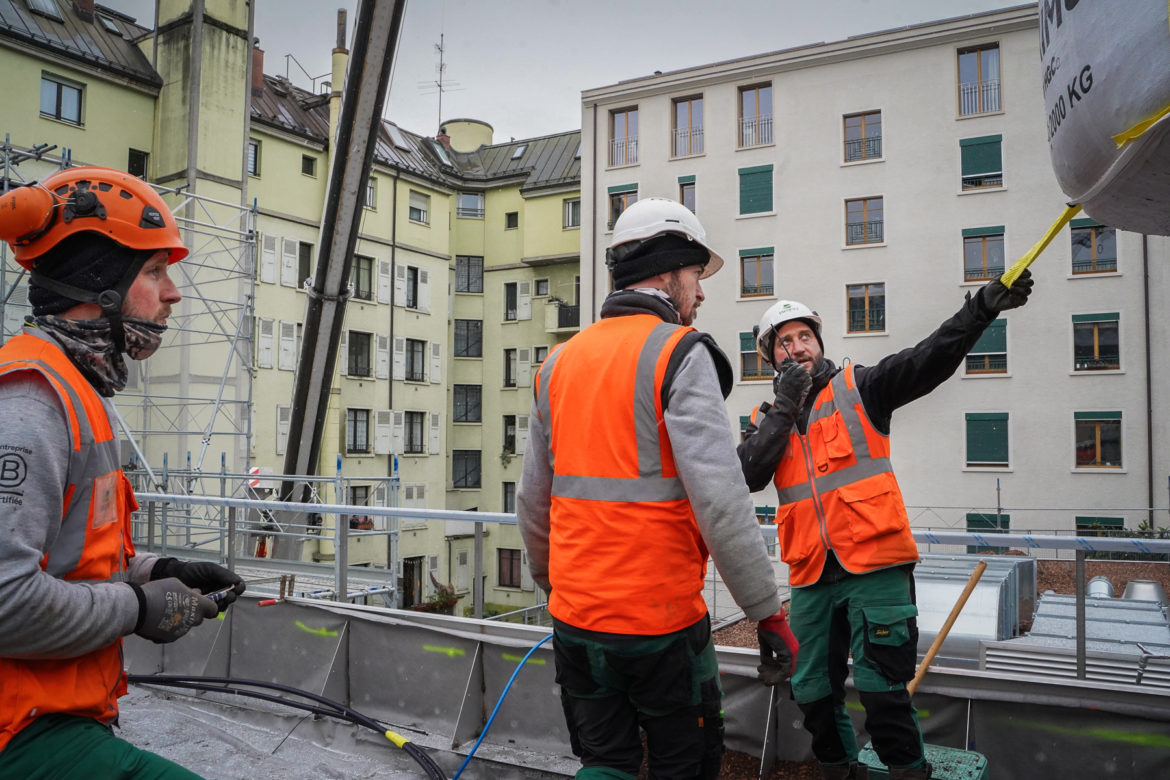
[(806, 450)]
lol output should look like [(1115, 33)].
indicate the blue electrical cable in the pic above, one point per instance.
[(496, 709)]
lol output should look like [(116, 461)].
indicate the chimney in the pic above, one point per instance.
[(257, 67), (84, 9), (443, 138)]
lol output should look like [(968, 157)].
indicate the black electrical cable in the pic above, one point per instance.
[(329, 707)]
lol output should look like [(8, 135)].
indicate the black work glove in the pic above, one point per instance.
[(205, 576), (997, 297), (792, 382), (167, 609), (778, 648)]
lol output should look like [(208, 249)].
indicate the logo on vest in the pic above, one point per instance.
[(13, 472)]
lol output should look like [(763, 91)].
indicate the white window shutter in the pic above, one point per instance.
[(287, 356), (424, 290), (524, 367), (400, 286), (283, 419), (399, 430), (400, 358), (288, 264), (343, 354), (383, 281), (521, 433), (462, 571), (382, 365), (526, 581), (383, 432), (268, 259), (436, 425), (432, 573), (524, 301), (265, 343), (436, 362)]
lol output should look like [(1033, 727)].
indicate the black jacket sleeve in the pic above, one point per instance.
[(765, 441)]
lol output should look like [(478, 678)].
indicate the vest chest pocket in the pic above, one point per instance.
[(870, 508), (832, 439)]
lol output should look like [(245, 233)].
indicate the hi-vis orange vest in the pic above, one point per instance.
[(837, 491), (625, 553), (93, 543)]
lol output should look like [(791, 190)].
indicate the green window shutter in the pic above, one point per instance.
[(755, 189), (1084, 223), (981, 155), (758, 252), (982, 521), (987, 437), (686, 179), (747, 342), (1096, 415), (1105, 317), (620, 188), (1107, 522), (993, 340), (992, 230)]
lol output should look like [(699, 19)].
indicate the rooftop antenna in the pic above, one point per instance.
[(440, 84)]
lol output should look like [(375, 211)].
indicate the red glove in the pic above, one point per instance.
[(778, 649)]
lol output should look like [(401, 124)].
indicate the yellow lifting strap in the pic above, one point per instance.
[(1010, 275)]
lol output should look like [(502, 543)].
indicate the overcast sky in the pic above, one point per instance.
[(520, 65)]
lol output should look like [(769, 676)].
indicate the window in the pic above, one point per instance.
[(304, 260), (755, 189), (253, 158), (509, 565), (540, 287), (756, 271), (518, 152), (469, 204), (983, 255), (688, 126), (1099, 526), (510, 434), (621, 197), (359, 353), (755, 115), (864, 221), (465, 468), (987, 440), (539, 354), (1094, 247), (308, 165), (982, 162), (981, 523), (511, 301), (468, 338), (362, 277), (511, 368), (509, 502), (686, 192), (371, 201), (623, 136), (415, 353), (411, 287), (979, 79), (136, 163), (511, 220), (989, 355), (420, 206), (1096, 343), (572, 215), (468, 274), (863, 136), (867, 307), (357, 430), (751, 366), (412, 433), (467, 404), (47, 8), (1098, 438), (61, 99)]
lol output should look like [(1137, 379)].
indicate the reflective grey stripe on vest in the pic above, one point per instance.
[(543, 377), (846, 400), (650, 485)]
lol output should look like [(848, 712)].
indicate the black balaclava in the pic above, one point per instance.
[(667, 252)]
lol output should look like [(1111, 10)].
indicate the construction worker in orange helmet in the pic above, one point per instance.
[(97, 244)]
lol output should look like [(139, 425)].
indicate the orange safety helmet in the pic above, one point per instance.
[(111, 203)]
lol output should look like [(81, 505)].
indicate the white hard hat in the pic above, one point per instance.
[(777, 314), (652, 217)]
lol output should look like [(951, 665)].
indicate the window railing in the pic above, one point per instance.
[(863, 149), (757, 289), (1106, 361), (414, 374), (752, 368), (623, 151), (755, 130), (688, 141), (982, 274), (864, 232), (466, 211), (978, 181), (864, 322), (1100, 265), (568, 316), (987, 364), (979, 97)]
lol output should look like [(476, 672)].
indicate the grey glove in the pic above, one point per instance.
[(205, 576), (792, 382), (997, 297), (167, 609)]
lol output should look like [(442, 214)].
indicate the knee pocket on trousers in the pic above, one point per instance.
[(891, 640)]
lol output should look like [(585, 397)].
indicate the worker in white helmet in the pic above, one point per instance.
[(843, 530)]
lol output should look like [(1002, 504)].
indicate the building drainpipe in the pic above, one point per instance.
[(1149, 380), (592, 232)]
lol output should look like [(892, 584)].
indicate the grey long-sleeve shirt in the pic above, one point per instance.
[(704, 453), (40, 615)]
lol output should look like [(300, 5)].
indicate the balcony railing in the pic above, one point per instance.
[(568, 316), (1098, 266), (863, 149), (755, 131), (979, 97), (864, 232), (623, 151), (688, 141)]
